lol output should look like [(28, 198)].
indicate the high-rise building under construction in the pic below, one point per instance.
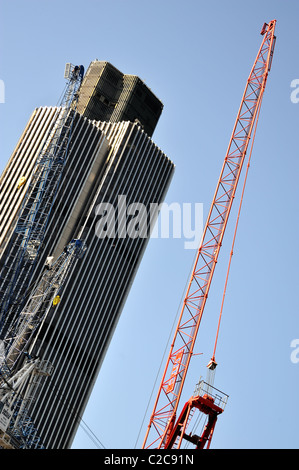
[(111, 161)]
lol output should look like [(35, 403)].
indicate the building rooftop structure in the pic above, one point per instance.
[(106, 94)]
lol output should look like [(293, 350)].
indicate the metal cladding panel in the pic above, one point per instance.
[(99, 91), (76, 335), (86, 157), (137, 102), (80, 199), (106, 94)]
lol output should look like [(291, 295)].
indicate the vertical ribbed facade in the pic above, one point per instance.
[(20, 165), (106, 161), (85, 142), (77, 335)]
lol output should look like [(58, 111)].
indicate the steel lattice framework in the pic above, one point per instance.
[(162, 421), (28, 235), (21, 374)]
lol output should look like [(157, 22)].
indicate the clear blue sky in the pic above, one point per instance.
[(196, 57)]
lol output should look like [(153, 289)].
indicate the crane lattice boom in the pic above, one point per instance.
[(161, 428), (22, 253)]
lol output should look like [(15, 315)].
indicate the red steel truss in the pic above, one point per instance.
[(208, 401), (162, 428)]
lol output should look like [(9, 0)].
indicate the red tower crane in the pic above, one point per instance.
[(164, 429)]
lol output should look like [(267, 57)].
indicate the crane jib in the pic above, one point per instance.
[(162, 420)]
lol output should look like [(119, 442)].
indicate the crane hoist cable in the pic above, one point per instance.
[(234, 238)]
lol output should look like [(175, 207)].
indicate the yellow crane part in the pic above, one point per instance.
[(22, 181), (56, 300)]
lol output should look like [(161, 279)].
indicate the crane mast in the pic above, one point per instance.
[(21, 373), (22, 253), (164, 430), (39, 302), (24, 305)]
